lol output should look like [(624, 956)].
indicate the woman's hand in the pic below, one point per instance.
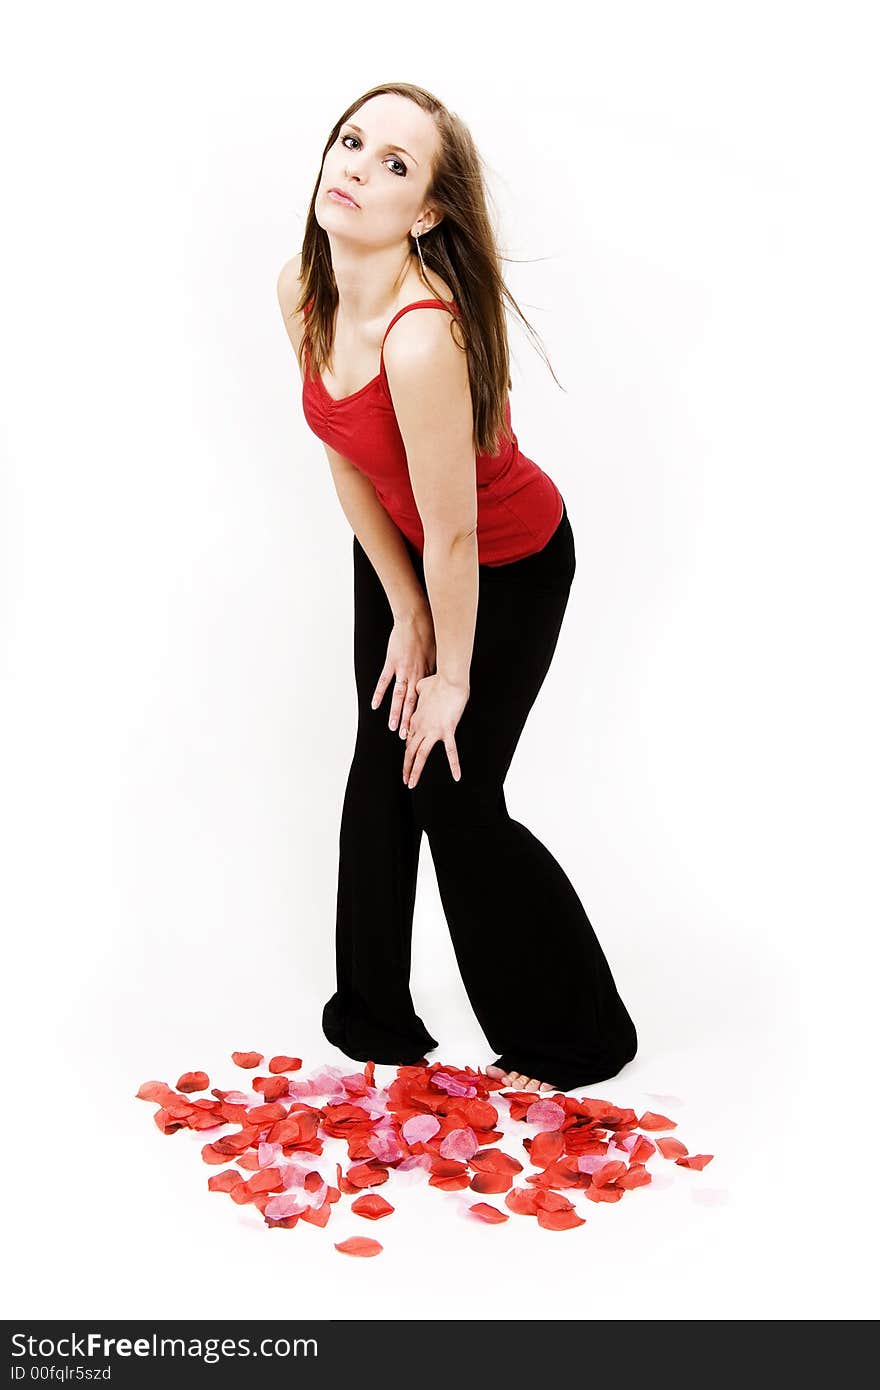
[(441, 705), (412, 652)]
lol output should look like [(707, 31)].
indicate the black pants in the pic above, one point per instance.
[(535, 974)]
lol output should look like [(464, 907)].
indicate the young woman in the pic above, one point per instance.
[(463, 561)]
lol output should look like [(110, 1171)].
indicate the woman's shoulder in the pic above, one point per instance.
[(422, 323), (289, 289)]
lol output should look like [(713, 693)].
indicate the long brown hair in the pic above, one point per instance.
[(461, 247)]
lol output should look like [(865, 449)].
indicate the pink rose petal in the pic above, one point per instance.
[(461, 1144), (383, 1145), (451, 1085), (318, 1197), (287, 1204), (545, 1114), (420, 1128), (591, 1163)]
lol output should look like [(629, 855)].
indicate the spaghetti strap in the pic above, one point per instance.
[(419, 304)]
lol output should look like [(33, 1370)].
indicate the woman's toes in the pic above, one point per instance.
[(496, 1073), (531, 1084), (545, 1086)]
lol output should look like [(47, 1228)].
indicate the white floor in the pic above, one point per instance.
[(107, 1217)]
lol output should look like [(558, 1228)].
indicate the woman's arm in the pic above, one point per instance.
[(367, 517), (428, 379), (379, 537)]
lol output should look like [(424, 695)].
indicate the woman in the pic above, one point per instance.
[(463, 562)]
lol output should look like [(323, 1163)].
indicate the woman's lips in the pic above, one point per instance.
[(341, 198)]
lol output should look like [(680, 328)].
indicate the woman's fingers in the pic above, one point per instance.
[(415, 757), (381, 687), (397, 699), (410, 703), (404, 699), (452, 755)]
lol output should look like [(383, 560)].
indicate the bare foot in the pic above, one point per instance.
[(518, 1081)]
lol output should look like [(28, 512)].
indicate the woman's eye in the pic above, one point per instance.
[(357, 142)]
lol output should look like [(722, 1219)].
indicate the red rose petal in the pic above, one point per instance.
[(193, 1081), (637, 1176), (642, 1150), (373, 1206), (695, 1160), (651, 1121), (491, 1182), (546, 1148), (671, 1148), (247, 1059), (365, 1175), (271, 1087), (212, 1154), (154, 1090), (317, 1216), (521, 1201), (609, 1193), (561, 1174), (359, 1245), (260, 1115), (282, 1063), (608, 1172), (267, 1180), (166, 1122), (559, 1220), (453, 1183), (488, 1213), (495, 1161), (552, 1201), (225, 1181)]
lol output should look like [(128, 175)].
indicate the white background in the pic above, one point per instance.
[(687, 193)]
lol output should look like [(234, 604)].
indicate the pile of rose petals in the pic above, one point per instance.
[(438, 1118)]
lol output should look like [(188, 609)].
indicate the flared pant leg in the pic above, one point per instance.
[(535, 974), (371, 1017)]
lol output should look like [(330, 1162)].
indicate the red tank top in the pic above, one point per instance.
[(518, 504)]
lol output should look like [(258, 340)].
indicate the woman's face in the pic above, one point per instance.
[(382, 159)]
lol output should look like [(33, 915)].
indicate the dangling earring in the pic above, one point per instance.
[(419, 249)]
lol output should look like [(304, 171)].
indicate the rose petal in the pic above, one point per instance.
[(546, 1147), (225, 1181), (545, 1114), (372, 1205), (460, 1143), (495, 1161), (420, 1128), (491, 1182), (651, 1121), (283, 1063), (384, 1146), (247, 1059), (454, 1086), (671, 1148), (287, 1204), (193, 1081), (559, 1220), (488, 1213), (359, 1245)]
